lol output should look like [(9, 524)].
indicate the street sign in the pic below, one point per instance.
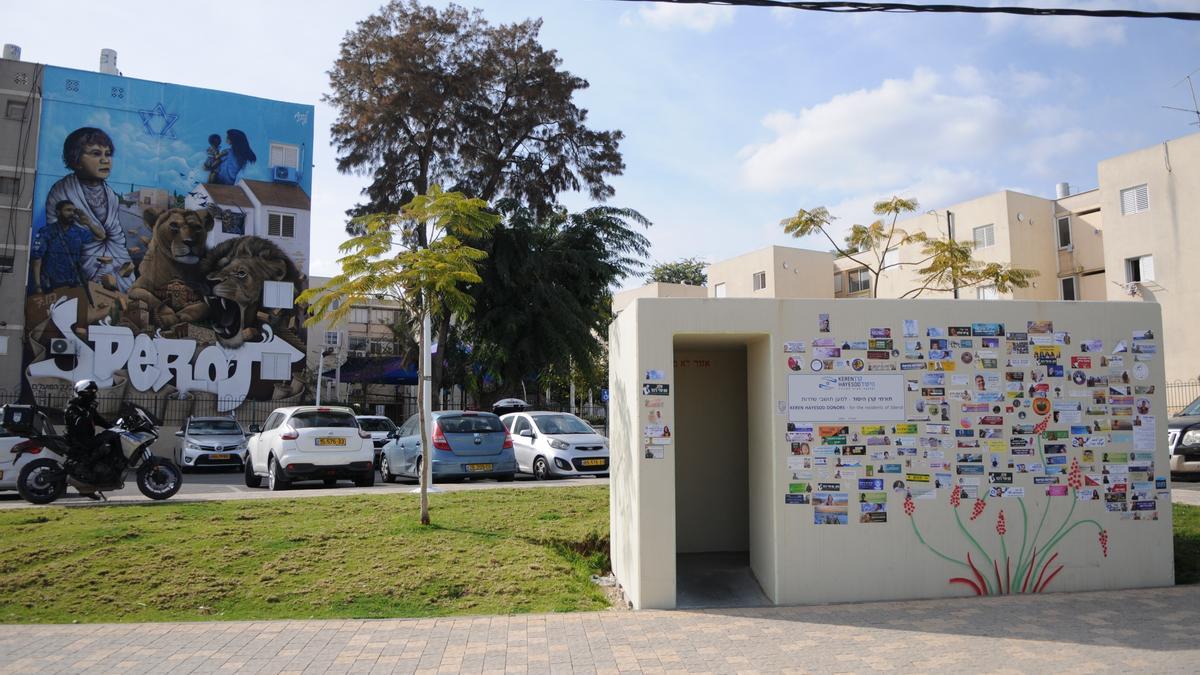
[(604, 395)]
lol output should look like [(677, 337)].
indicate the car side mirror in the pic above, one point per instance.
[(179, 433), (254, 429), (527, 433)]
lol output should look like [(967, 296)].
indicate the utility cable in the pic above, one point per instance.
[(913, 8)]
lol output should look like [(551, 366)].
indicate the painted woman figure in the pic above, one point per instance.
[(235, 159), (88, 152)]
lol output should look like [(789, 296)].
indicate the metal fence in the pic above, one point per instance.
[(1180, 394)]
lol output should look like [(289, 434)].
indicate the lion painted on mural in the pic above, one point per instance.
[(171, 278), (238, 268)]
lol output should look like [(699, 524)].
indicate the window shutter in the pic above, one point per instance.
[(1147, 268), (1135, 200), (288, 228), (273, 224)]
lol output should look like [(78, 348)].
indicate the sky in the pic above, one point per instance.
[(734, 118)]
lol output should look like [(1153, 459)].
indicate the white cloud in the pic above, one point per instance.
[(700, 18)]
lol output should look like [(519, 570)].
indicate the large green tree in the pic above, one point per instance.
[(690, 271), (945, 264), (544, 301), (424, 275)]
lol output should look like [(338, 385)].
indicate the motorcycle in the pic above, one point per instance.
[(44, 480)]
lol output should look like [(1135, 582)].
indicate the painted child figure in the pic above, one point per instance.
[(215, 156)]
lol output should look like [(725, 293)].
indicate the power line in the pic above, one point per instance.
[(910, 8)]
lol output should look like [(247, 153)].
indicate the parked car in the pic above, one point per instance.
[(551, 444), (1183, 440), (10, 468), (380, 428), (211, 442), (309, 443), (466, 444)]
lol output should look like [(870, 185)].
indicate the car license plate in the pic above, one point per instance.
[(591, 462), (218, 455), (331, 441), (479, 467)]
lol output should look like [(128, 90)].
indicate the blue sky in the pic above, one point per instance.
[(734, 118)]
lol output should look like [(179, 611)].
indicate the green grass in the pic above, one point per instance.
[(1187, 543), (488, 552)]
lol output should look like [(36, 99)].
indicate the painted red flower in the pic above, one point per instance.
[(1001, 526), (956, 496), (977, 510), (1104, 542), (1075, 477), (909, 506)]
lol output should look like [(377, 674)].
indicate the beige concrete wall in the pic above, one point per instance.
[(790, 273), (799, 562), (712, 480), (1032, 244), (657, 290), (1168, 231)]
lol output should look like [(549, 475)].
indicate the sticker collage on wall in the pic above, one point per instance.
[(656, 430), (884, 421)]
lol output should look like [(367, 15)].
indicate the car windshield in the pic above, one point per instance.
[(375, 424), (561, 424), (213, 427), (1192, 409), (469, 424), (323, 419)]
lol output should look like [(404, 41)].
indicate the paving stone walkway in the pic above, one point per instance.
[(1145, 631)]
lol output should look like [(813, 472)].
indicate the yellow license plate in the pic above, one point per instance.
[(479, 467), (219, 455), (331, 441), (591, 462)]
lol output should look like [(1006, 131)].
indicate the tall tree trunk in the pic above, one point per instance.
[(422, 414)]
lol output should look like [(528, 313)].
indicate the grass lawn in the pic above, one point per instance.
[(488, 552), (1187, 544)]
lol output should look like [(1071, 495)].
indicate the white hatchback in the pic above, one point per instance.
[(309, 443), (551, 444), (11, 465)]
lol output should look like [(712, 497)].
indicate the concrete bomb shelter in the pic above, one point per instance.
[(862, 450)]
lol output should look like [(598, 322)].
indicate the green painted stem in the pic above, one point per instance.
[(935, 551), (1058, 538), (1024, 536), (1005, 571), (1061, 533), (979, 548)]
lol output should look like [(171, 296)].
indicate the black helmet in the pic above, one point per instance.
[(85, 390)]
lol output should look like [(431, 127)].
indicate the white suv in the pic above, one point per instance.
[(309, 443)]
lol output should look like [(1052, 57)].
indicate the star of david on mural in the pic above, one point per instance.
[(160, 118)]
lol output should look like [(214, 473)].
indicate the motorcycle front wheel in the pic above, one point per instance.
[(160, 479), (41, 481)]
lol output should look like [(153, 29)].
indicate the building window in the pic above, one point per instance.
[(275, 367), (386, 317), (1068, 285), (9, 185), (985, 236), (279, 294), (358, 345), (1139, 269), (860, 280), (760, 280), (1134, 200), (360, 315), (281, 225), (285, 155), (719, 290), (383, 347), (837, 282), (986, 293), (14, 110), (1064, 232), (333, 338)]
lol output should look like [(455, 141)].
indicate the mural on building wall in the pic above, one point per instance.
[(165, 253)]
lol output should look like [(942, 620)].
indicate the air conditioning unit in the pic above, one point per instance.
[(61, 347), (358, 352), (285, 174)]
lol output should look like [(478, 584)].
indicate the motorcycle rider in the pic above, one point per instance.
[(82, 417)]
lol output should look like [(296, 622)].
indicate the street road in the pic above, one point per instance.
[(216, 485)]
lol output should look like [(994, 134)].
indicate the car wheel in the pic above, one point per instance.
[(367, 479), (506, 478), (330, 482), (541, 468), (252, 479), (385, 470), (276, 479)]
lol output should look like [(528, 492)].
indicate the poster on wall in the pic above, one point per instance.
[(841, 398), (170, 239)]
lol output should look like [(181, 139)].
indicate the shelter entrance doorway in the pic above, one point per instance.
[(712, 441)]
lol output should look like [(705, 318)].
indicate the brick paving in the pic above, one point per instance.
[(1152, 630)]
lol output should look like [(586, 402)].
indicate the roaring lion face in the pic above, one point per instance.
[(237, 290), (181, 234)]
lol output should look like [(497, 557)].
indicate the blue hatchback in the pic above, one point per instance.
[(466, 444)]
